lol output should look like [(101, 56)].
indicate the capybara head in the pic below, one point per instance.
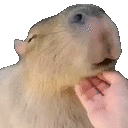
[(81, 41)]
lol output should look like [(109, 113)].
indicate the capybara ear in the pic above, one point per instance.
[(20, 46)]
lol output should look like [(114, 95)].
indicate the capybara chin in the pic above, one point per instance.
[(38, 92)]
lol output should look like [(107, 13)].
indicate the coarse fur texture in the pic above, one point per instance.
[(38, 92)]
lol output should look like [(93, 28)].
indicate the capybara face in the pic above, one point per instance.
[(81, 41)]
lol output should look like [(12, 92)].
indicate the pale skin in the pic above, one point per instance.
[(110, 110)]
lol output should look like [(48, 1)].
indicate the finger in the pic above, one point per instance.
[(113, 77), (119, 84), (91, 82), (99, 91), (87, 84), (88, 91)]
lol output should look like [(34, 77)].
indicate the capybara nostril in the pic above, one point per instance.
[(78, 18)]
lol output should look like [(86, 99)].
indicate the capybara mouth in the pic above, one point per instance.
[(105, 62)]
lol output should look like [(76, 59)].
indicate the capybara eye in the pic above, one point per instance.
[(32, 38)]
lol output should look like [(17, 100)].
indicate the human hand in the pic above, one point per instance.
[(110, 110)]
